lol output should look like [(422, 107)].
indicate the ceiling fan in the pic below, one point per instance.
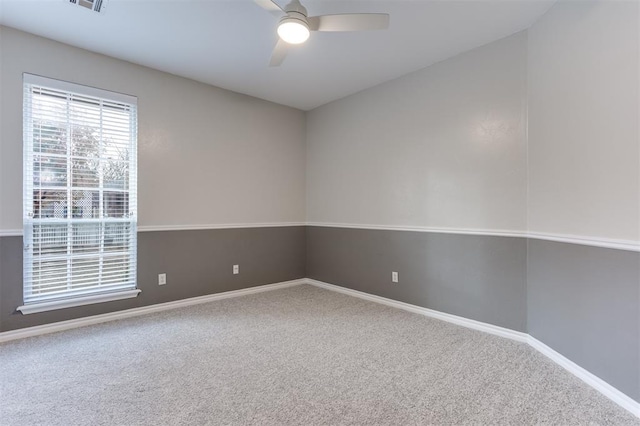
[(295, 26)]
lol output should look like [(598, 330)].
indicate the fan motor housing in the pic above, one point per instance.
[(295, 17)]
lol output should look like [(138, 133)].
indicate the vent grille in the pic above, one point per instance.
[(94, 5)]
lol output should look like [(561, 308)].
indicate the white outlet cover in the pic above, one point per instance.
[(162, 279), (236, 269), (394, 277)]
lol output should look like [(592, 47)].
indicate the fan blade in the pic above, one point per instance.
[(349, 22), (270, 6), (279, 53)]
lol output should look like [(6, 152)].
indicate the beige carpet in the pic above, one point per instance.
[(301, 356)]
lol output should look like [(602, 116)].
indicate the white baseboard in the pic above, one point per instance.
[(592, 380), (465, 322), (134, 312)]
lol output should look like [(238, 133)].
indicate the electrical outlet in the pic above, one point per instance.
[(236, 269), (162, 279), (394, 277)]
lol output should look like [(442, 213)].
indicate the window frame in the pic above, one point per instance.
[(92, 294)]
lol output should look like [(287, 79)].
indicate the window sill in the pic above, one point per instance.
[(34, 308)]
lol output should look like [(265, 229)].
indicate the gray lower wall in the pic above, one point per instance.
[(477, 277), (584, 302), (196, 263)]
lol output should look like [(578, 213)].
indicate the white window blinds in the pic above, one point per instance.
[(80, 204)]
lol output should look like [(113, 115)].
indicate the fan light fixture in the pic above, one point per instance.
[(295, 24), (293, 31)]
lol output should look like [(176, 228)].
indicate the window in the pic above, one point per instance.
[(79, 195)]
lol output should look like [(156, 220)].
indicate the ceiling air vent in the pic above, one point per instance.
[(95, 5)]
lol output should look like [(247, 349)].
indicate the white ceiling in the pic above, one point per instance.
[(227, 43)]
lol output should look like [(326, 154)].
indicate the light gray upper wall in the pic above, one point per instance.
[(442, 147), (206, 155), (583, 120)]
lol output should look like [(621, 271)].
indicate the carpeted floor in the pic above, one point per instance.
[(301, 355)]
